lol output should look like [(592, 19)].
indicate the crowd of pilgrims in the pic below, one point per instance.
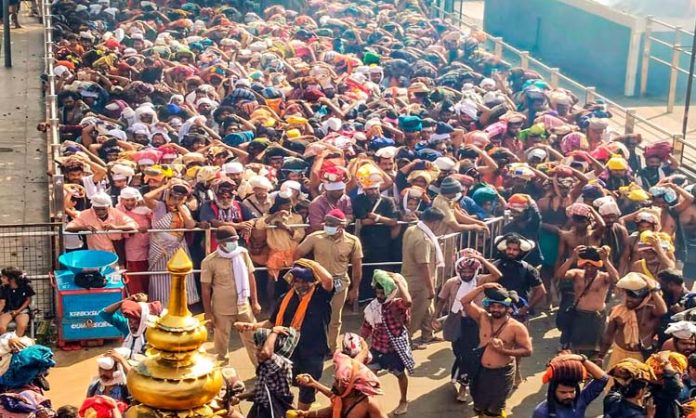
[(335, 151)]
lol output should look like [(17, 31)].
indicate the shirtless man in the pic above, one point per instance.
[(581, 232), (645, 220), (656, 254), (671, 200), (682, 338), (586, 321), (355, 386), (502, 339), (633, 323), (687, 219)]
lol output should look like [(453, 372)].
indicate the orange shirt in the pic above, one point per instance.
[(102, 241)]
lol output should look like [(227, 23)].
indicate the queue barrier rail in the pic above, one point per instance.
[(624, 119)]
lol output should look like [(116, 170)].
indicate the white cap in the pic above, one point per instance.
[(260, 182), (387, 152), (444, 163), (233, 168), (333, 124), (130, 193), (101, 200), (487, 83)]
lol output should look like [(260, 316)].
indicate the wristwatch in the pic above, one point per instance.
[(583, 358)]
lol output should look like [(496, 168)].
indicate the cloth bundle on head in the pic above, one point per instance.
[(484, 194), (617, 163), (334, 178), (300, 272), (260, 182), (101, 200), (121, 172), (351, 345), (496, 295), (423, 174), (630, 369), (525, 244), (590, 255), (285, 343), (633, 281), (676, 360), (681, 330), (382, 279), (666, 193), (521, 170), (607, 206), (410, 123), (355, 376), (659, 150), (100, 407), (468, 260), (579, 209), (574, 141), (564, 370), (369, 176), (663, 239), (519, 202)]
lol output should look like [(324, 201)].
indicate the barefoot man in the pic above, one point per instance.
[(586, 318), (501, 340), (633, 323)]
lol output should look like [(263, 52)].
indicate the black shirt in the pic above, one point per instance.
[(14, 298), (377, 237), (315, 327), (615, 406), (518, 275)]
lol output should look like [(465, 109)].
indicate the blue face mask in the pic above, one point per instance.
[(230, 246), (330, 230)]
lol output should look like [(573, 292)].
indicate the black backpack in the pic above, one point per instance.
[(90, 279)]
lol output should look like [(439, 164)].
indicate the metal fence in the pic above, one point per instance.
[(672, 42), (450, 244), (32, 248), (624, 120)]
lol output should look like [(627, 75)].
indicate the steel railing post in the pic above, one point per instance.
[(645, 65), (673, 77)]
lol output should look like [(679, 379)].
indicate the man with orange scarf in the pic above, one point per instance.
[(626, 334), (307, 309)]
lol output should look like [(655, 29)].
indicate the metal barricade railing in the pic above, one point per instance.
[(51, 107), (451, 243), (677, 51), (32, 248), (624, 119)]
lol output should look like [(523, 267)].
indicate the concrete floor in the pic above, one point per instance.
[(430, 393), (23, 155)]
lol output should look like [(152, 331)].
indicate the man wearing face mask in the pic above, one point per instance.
[(229, 291), (336, 250), (334, 197), (306, 308), (137, 246)]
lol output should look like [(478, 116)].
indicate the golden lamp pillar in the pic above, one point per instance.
[(177, 378)]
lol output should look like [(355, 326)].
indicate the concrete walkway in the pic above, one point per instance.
[(23, 154)]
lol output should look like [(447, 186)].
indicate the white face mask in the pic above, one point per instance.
[(330, 230), (457, 197), (230, 246)]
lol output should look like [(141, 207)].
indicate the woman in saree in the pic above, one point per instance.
[(169, 211)]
